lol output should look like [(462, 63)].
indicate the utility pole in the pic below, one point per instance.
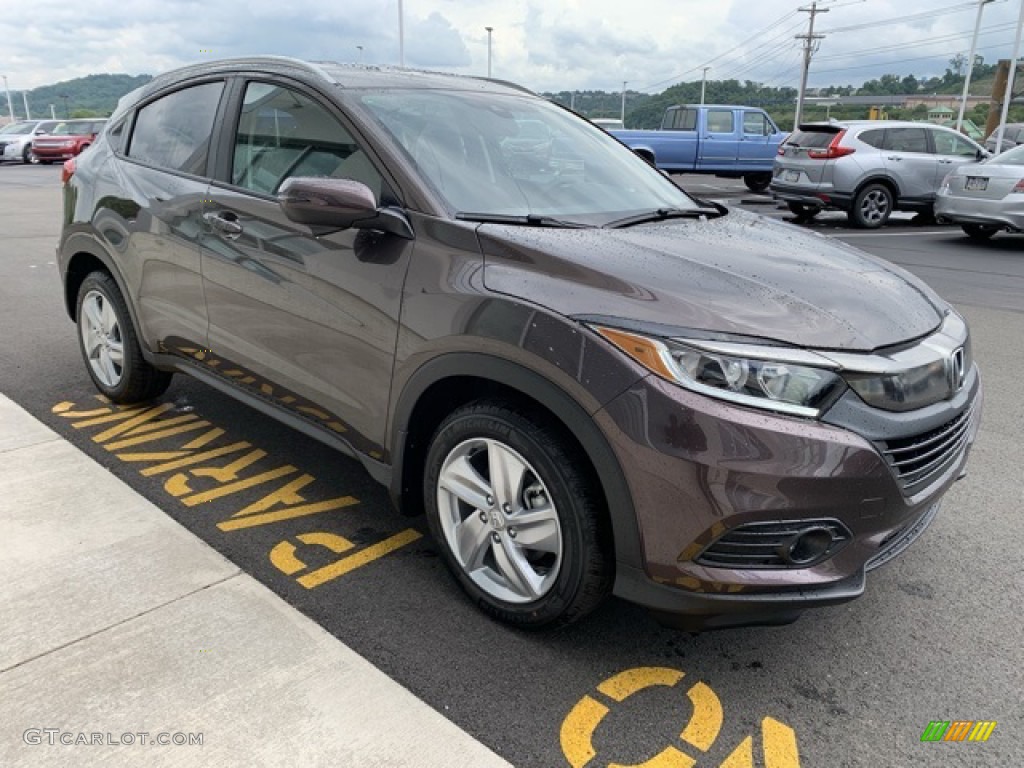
[(995, 106), (622, 116), (970, 63), (1008, 94), (703, 83), (810, 47), (10, 104), (401, 35)]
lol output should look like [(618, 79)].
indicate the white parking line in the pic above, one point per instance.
[(916, 233)]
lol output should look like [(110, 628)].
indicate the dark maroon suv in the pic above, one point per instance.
[(589, 381)]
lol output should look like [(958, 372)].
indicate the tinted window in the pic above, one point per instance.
[(284, 133), (755, 123), (811, 139), (684, 120), (875, 138), (947, 143), (906, 140), (721, 121), (174, 131)]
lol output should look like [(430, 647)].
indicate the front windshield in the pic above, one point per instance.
[(1013, 156), (21, 127), (518, 156)]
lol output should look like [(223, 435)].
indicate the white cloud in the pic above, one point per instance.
[(556, 44)]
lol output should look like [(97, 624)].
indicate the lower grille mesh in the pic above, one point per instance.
[(758, 545)]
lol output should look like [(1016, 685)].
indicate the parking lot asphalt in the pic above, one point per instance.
[(936, 637)]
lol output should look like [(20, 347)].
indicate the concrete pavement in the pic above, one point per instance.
[(119, 628)]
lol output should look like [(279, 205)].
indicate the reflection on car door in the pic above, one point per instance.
[(307, 321), (911, 162)]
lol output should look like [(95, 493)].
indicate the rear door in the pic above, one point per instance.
[(909, 159), (719, 140), (308, 322)]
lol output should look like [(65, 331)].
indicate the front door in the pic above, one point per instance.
[(309, 322)]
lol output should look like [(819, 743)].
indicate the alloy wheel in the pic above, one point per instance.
[(101, 338)]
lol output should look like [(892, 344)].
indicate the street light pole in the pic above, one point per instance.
[(401, 35), (970, 63), (24, 98), (1009, 81), (489, 30), (703, 83), (360, 49), (10, 104), (622, 115)]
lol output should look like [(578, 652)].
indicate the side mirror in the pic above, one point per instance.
[(982, 154), (327, 205), (40, 132)]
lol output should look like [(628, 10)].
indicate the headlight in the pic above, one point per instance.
[(783, 384)]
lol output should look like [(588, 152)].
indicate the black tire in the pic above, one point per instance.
[(583, 574), (28, 157), (979, 232), (135, 380), (803, 211), (46, 162), (872, 207), (757, 182)]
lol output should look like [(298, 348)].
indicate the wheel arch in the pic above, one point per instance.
[(447, 382), (883, 179)]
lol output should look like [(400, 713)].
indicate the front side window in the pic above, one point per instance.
[(512, 155), (755, 124), (721, 121), (17, 128), (174, 131), (284, 133), (950, 144)]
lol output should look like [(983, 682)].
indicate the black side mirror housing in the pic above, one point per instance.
[(327, 205)]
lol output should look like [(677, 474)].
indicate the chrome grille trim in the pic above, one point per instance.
[(919, 459)]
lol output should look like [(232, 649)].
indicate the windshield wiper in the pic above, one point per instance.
[(660, 214), (529, 220)]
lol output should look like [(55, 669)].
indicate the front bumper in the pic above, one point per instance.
[(1006, 212), (699, 468)]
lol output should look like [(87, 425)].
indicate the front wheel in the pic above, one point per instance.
[(28, 157), (517, 515), (110, 345), (979, 232), (757, 182), (872, 206)]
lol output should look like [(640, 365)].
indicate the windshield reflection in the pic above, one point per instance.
[(508, 155)]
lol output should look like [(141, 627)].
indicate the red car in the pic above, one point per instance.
[(67, 140)]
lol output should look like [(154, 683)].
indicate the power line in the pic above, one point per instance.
[(904, 19), (923, 42)]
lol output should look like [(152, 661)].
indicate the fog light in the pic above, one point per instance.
[(807, 546)]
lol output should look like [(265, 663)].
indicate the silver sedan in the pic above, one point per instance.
[(986, 197)]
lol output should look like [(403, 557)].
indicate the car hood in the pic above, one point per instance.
[(737, 274)]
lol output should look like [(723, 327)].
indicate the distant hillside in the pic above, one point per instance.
[(89, 96)]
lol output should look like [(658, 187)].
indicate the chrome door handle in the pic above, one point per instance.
[(226, 224), (893, 157)]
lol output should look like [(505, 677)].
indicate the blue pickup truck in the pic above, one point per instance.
[(729, 141)]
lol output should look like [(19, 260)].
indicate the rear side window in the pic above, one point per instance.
[(875, 138), (721, 121), (811, 139), (115, 136), (906, 140), (174, 131)]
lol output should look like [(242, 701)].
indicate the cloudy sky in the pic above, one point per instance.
[(544, 44)]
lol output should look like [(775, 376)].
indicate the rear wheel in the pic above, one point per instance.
[(515, 511), (803, 211), (45, 162), (757, 182), (29, 157), (872, 206), (979, 231), (110, 345)]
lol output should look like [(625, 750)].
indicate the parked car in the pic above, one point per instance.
[(589, 381), (1013, 134), (726, 141), (868, 168), (16, 139), (67, 140), (985, 198)]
